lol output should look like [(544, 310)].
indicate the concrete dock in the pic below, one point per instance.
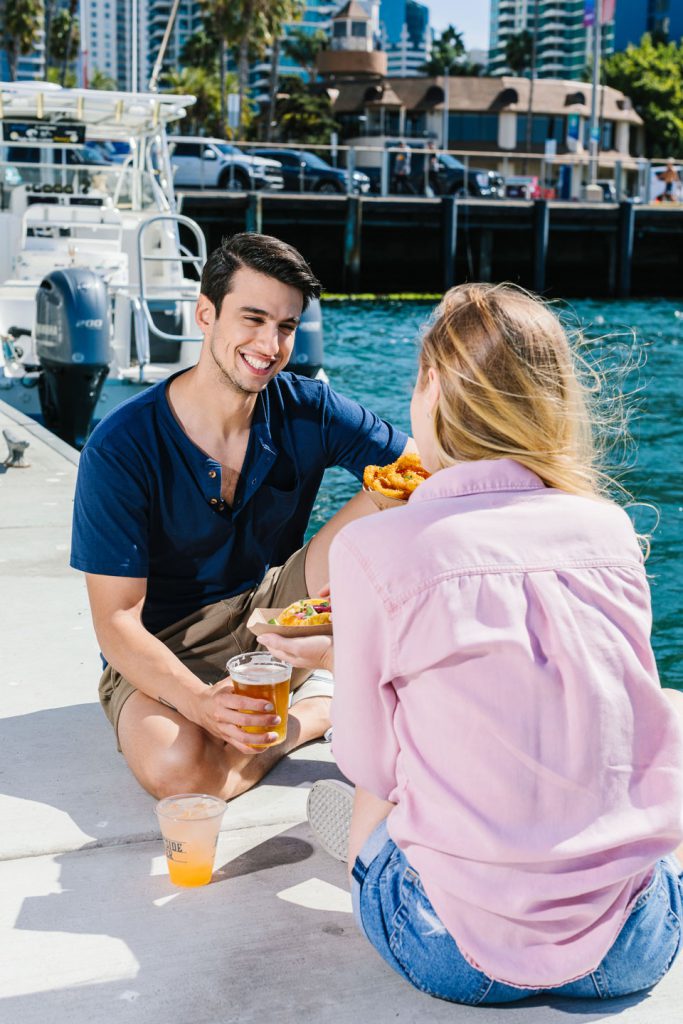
[(91, 930)]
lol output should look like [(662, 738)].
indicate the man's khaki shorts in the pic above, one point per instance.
[(206, 639)]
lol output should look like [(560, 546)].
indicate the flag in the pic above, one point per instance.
[(589, 13), (608, 11)]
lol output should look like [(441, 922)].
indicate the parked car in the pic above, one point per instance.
[(214, 163), (608, 188), (116, 151), (306, 172), (527, 186), (452, 177), (481, 183)]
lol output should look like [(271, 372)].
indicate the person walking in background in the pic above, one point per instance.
[(672, 182), (432, 167), (401, 183), (518, 768)]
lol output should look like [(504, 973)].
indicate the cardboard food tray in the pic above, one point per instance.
[(383, 500), (258, 623)]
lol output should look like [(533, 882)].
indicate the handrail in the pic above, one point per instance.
[(177, 219)]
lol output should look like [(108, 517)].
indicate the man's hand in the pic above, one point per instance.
[(222, 713), (301, 652)]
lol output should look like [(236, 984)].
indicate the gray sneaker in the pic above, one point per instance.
[(329, 807)]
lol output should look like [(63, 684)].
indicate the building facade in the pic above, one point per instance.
[(633, 18), (564, 44), (405, 35)]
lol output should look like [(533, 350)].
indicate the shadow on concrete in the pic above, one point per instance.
[(66, 759), (276, 852)]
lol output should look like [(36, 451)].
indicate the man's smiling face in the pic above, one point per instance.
[(253, 337)]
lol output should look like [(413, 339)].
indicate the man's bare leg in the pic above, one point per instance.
[(169, 754), (675, 698)]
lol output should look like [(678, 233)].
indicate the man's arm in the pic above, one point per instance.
[(116, 605)]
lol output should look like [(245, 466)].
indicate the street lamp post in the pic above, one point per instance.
[(593, 128)]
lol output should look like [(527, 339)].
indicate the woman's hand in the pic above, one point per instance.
[(301, 652)]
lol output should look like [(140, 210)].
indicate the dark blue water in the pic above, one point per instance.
[(371, 355)]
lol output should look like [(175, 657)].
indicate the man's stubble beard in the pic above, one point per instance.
[(226, 377)]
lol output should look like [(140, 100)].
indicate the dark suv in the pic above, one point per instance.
[(306, 172), (451, 178)]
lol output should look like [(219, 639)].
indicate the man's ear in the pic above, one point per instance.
[(204, 314)]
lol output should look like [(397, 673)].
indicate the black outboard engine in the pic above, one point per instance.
[(73, 347), (307, 357)]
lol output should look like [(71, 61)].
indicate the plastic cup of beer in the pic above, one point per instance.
[(264, 677), (189, 824)]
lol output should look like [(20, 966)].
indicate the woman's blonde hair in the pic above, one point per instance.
[(511, 387)]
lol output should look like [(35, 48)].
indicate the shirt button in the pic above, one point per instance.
[(214, 501), (253, 482), (212, 473)]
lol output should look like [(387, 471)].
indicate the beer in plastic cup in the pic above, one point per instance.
[(264, 677), (189, 824)]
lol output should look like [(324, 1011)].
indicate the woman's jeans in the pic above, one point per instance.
[(393, 911)]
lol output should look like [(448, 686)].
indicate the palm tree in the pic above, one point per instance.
[(204, 116), (303, 47), (20, 28), (222, 19), (101, 80), (447, 52), (518, 52), (280, 13)]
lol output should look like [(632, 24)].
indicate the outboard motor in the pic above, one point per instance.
[(73, 346), (307, 357)]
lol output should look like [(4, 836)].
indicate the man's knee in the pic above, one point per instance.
[(170, 757)]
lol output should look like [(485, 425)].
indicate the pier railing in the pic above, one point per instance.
[(564, 176)]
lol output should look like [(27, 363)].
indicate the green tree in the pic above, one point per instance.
[(201, 49), (64, 38), (304, 113), (280, 13), (519, 52), (303, 47), (204, 117), (101, 80), (21, 25), (651, 75), (447, 53)]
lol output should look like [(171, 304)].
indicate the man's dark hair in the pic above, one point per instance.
[(263, 253)]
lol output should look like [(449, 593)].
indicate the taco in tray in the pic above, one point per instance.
[(310, 611)]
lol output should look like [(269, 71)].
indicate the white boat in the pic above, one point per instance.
[(99, 273)]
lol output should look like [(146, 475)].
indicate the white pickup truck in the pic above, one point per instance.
[(213, 163)]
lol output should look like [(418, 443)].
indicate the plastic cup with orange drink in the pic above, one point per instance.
[(190, 823)]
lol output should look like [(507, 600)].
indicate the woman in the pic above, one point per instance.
[(518, 769)]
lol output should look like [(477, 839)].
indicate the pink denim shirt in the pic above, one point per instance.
[(495, 680)]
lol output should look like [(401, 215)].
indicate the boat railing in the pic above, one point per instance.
[(148, 291)]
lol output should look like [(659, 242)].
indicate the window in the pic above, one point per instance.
[(339, 30), (473, 127), (359, 29), (186, 149), (543, 127)]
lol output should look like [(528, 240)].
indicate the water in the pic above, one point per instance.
[(371, 355)]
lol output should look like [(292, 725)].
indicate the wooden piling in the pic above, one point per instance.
[(352, 253), (540, 231), (449, 227), (253, 215), (625, 239)]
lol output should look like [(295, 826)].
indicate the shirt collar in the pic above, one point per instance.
[(484, 476)]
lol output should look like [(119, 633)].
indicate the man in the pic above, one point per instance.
[(432, 167), (401, 183), (191, 507)]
